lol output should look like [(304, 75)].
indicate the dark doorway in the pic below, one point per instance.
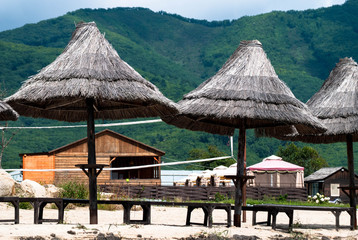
[(142, 173)]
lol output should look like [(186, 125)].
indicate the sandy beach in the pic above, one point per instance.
[(169, 223)]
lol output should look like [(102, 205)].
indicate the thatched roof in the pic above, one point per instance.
[(89, 67), (246, 90), (335, 105), (7, 113)]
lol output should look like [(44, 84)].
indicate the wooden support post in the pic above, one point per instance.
[(239, 177), (91, 160), (352, 190), (244, 186)]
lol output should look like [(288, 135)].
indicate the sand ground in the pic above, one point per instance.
[(169, 223)]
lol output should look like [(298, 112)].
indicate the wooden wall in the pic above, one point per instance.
[(340, 177), (107, 147), (201, 193), (39, 162)]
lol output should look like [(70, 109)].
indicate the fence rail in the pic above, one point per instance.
[(201, 193)]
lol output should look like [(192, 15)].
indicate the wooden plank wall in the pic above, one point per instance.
[(39, 162), (342, 178), (200, 193), (106, 147)]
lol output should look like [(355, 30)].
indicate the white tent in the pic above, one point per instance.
[(274, 172)]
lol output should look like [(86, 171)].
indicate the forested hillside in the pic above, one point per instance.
[(177, 54)]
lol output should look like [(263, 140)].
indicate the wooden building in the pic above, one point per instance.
[(327, 181), (112, 149)]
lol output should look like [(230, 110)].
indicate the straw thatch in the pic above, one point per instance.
[(246, 90), (7, 113), (89, 67), (336, 105)]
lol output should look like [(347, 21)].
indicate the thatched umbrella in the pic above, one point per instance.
[(335, 105), (7, 113), (89, 81), (245, 93)]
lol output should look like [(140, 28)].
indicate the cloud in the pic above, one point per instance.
[(15, 13)]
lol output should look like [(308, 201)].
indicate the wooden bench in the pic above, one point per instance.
[(39, 203), (273, 209), (61, 203), (15, 202), (207, 208)]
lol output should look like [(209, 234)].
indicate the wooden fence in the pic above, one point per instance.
[(201, 193)]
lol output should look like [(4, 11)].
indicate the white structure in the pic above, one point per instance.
[(274, 172)]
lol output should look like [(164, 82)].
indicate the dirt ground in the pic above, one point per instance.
[(169, 223)]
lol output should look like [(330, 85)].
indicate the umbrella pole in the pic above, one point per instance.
[(91, 160), (239, 177), (352, 190)]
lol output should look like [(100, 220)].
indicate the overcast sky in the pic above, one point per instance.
[(16, 13)]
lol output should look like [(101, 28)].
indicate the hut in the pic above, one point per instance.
[(7, 113), (89, 81), (327, 181), (335, 105), (112, 149), (274, 172), (245, 93)]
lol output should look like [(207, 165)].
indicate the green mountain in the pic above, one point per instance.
[(177, 54)]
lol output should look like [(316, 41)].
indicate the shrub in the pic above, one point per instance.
[(282, 197), (219, 197), (74, 189), (318, 198), (25, 205)]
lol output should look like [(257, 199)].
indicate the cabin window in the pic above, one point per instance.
[(334, 189), (141, 173), (315, 188)]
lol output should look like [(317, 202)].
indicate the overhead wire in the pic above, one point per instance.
[(122, 168)]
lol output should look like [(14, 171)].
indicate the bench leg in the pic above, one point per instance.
[(15, 203), (268, 218), (206, 215), (254, 218), (62, 213), (146, 213), (41, 206), (188, 215), (337, 214), (17, 212), (127, 213), (228, 211), (274, 215), (36, 212), (208, 221), (289, 214), (351, 213), (60, 207)]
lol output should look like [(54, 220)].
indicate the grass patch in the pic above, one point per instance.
[(267, 200), (292, 202)]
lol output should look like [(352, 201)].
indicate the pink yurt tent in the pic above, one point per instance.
[(274, 172)]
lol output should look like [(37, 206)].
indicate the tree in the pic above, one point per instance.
[(4, 140), (306, 157), (210, 152)]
